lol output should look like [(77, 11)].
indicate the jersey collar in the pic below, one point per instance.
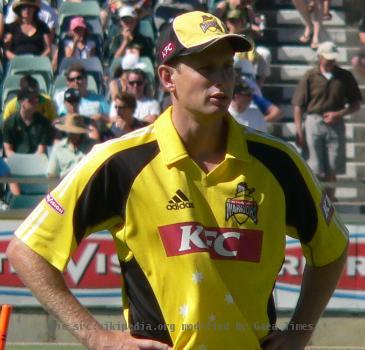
[(173, 149)]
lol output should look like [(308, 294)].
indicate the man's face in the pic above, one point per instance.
[(242, 99), (128, 23), (135, 85), (30, 104), (77, 81), (204, 81), (327, 65), (235, 25), (123, 111)]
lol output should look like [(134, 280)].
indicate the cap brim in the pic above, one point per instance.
[(239, 43), (71, 129)]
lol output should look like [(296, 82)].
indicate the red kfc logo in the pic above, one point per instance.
[(220, 243)]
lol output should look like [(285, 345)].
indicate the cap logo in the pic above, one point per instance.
[(210, 23), (168, 50)]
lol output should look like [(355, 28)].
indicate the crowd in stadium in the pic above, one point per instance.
[(97, 60)]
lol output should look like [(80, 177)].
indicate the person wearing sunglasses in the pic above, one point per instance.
[(147, 108), (124, 121), (92, 105)]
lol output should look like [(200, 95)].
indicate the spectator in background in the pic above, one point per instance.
[(252, 110), (26, 131), (72, 148), (99, 131), (326, 9), (126, 33), (118, 84), (91, 104), (260, 57), (358, 61), (312, 27), (245, 8), (71, 100), (147, 108), (124, 121), (28, 34), (79, 45), (326, 94), (45, 104), (46, 14)]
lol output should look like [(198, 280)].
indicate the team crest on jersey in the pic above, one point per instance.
[(210, 23), (243, 206)]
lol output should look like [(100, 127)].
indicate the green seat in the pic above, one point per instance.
[(30, 165), (146, 29), (29, 64), (83, 9), (24, 201), (11, 86), (147, 66)]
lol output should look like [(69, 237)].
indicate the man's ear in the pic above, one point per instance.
[(165, 74)]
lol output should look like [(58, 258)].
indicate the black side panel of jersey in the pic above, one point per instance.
[(300, 208), (106, 194), (146, 319)]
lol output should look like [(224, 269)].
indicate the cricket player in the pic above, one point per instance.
[(198, 207)]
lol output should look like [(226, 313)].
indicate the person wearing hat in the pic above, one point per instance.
[(79, 45), (45, 104), (325, 95), (126, 34), (199, 263), (26, 131), (46, 14), (28, 34), (72, 148)]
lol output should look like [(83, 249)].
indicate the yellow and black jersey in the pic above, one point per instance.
[(199, 251)]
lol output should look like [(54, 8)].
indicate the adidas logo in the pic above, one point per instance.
[(179, 201)]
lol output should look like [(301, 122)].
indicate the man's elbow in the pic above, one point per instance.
[(12, 250)]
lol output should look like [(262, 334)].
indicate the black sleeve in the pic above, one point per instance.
[(42, 27), (7, 131)]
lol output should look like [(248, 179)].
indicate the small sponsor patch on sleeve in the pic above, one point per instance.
[(54, 204), (327, 208)]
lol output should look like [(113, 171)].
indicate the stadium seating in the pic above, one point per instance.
[(29, 165), (29, 64), (11, 86), (145, 28), (24, 201)]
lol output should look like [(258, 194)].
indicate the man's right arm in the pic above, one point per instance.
[(298, 120), (48, 285)]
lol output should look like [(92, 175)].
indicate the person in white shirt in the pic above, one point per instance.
[(251, 109), (147, 108)]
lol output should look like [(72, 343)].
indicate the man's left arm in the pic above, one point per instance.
[(317, 288)]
